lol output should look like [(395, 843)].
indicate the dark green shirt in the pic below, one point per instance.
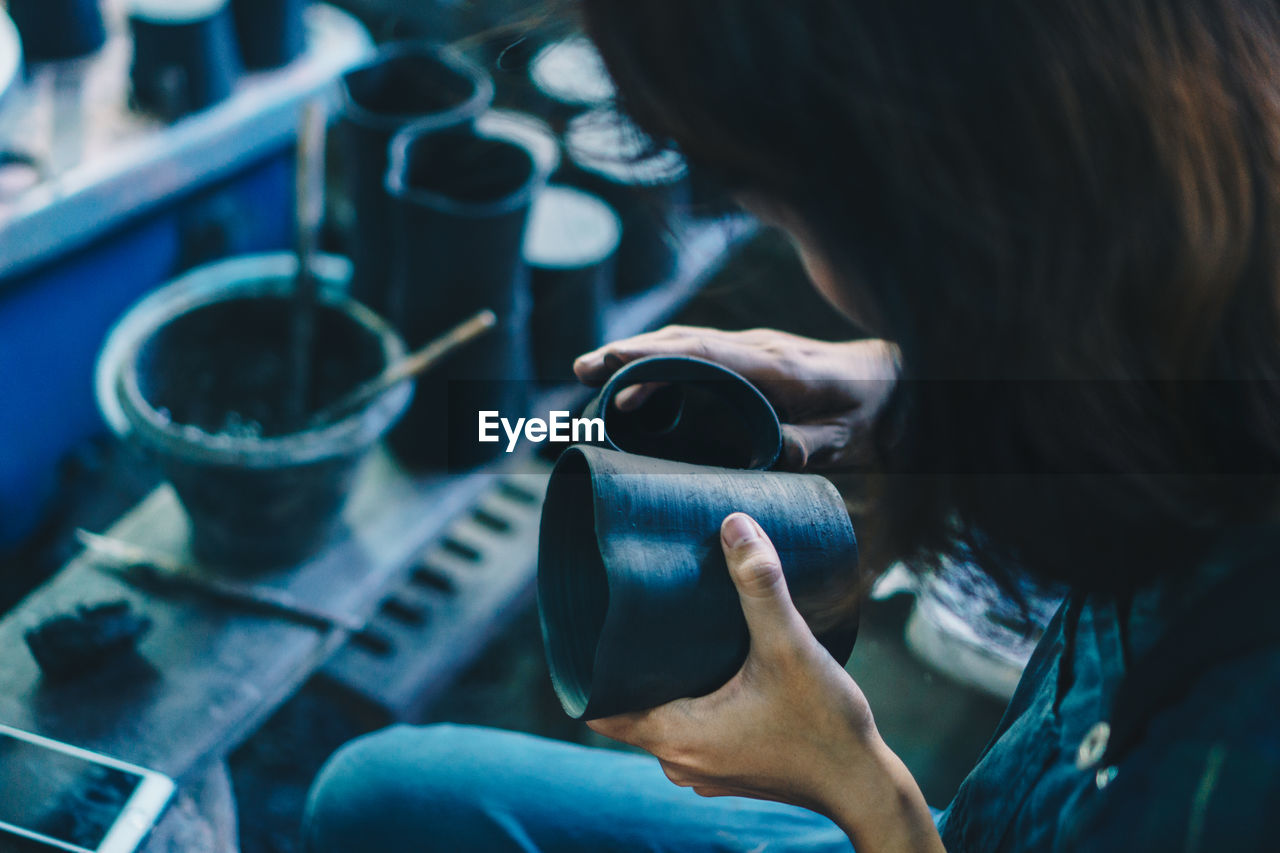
[(1151, 724)]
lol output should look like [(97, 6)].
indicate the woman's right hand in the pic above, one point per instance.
[(827, 394)]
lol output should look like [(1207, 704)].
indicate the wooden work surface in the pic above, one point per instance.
[(213, 673), (216, 671)]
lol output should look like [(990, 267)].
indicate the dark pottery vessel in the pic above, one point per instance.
[(636, 603), (58, 29), (568, 78), (524, 129), (440, 431), (461, 201), (570, 248), (271, 33), (184, 60), (609, 156), (703, 414), (461, 204), (200, 374), (406, 83)]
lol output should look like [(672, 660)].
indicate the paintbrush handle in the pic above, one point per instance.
[(310, 173), (309, 187), (123, 558), (407, 368), (126, 553), (268, 599), (425, 358)]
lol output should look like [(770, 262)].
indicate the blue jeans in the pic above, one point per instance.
[(458, 789)]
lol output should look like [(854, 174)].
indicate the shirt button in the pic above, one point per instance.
[(1093, 747), (1104, 776)]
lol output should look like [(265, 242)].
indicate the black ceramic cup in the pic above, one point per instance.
[(570, 248), (58, 29), (461, 204), (636, 603), (702, 413), (185, 57), (434, 88), (271, 33), (608, 156)]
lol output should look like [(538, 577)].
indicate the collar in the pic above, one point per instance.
[(1233, 617)]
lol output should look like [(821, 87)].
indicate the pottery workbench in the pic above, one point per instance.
[(410, 563)]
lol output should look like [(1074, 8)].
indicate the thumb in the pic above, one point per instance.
[(772, 618)]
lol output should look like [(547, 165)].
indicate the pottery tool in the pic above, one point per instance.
[(309, 186), (407, 368), (147, 569)]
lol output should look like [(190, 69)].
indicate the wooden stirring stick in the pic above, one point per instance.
[(407, 368), (310, 216), (145, 567)]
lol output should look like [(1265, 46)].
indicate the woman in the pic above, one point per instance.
[(1064, 218)]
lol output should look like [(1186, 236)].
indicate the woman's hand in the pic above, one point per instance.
[(791, 726), (827, 394)]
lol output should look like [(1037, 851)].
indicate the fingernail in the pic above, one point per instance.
[(738, 530), (628, 398)]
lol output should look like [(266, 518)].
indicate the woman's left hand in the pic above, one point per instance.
[(790, 726)]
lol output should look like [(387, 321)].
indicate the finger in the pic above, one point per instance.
[(595, 368), (772, 618), (796, 447), (649, 729), (618, 728), (633, 396), (675, 775), (710, 791), (812, 445)]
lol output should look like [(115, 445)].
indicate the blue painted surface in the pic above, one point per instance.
[(53, 322)]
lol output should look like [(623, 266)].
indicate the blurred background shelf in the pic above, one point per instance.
[(121, 203), (103, 164)]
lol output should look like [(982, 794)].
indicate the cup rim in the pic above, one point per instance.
[(684, 369), (471, 106), (608, 247), (524, 129), (581, 48), (572, 666), (223, 282), (635, 166), (398, 188), (164, 14)]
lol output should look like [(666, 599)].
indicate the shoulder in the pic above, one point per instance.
[(1205, 774)]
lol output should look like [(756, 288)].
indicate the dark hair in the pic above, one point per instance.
[(1066, 216)]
